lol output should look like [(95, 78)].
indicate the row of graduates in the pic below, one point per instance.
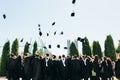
[(64, 68)]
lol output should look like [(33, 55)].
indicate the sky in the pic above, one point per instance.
[(93, 18)]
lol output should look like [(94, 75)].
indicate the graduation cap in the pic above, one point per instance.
[(54, 56), (40, 33), (28, 43), (38, 25), (80, 39), (72, 14), (47, 34), (55, 33), (39, 28), (61, 33), (21, 40), (4, 16), (49, 46), (65, 48), (58, 46), (53, 23), (73, 1), (45, 47)]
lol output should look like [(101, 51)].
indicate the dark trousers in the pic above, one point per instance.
[(94, 78)]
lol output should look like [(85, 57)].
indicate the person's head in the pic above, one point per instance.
[(36, 55), (96, 58), (47, 55), (63, 56), (54, 57), (26, 55), (75, 56), (11, 55), (59, 57)]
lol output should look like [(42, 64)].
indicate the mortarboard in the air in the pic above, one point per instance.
[(61, 33), (28, 43), (47, 34), (65, 48), (4, 16), (53, 23), (55, 33), (72, 14), (49, 46), (73, 1), (40, 33), (38, 25), (58, 46), (45, 47), (21, 40), (39, 29), (80, 39)]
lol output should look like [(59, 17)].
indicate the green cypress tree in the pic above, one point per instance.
[(94, 51), (35, 47), (73, 50), (86, 49), (97, 49), (26, 48), (5, 53), (40, 52), (109, 48), (118, 48), (15, 47)]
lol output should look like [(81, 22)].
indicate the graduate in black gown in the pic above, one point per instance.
[(54, 68), (47, 68), (86, 70), (64, 70), (18, 67), (117, 69), (110, 68), (11, 67), (68, 65), (75, 69), (104, 68), (37, 68), (27, 67), (96, 69), (59, 67)]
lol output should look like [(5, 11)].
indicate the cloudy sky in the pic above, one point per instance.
[(93, 18)]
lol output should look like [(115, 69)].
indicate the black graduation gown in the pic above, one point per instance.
[(54, 70), (18, 67), (27, 68), (36, 69), (47, 70), (68, 65), (96, 69), (117, 68), (63, 70), (110, 69), (11, 69), (104, 68), (59, 70), (86, 69), (75, 69)]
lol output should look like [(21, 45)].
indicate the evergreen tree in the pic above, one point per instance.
[(26, 48), (97, 49), (118, 48), (73, 50), (35, 47), (40, 52), (86, 49), (5, 53), (15, 47), (109, 48)]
